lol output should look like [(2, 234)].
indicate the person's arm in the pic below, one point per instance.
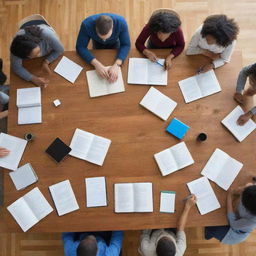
[(143, 36), (3, 114), (180, 43), (245, 117), (70, 245), (241, 80), (193, 47), (115, 244)]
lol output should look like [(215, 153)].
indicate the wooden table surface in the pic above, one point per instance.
[(136, 135)]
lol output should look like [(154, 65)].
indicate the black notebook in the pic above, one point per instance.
[(58, 150)]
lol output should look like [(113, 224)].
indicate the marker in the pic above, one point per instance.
[(186, 198)]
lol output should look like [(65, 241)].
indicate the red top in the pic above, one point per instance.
[(174, 41)]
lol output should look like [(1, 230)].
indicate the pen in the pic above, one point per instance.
[(186, 198), (159, 63)]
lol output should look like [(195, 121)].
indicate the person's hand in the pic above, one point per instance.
[(113, 73), (168, 62), (238, 97), (244, 118), (211, 55), (40, 81), (45, 67), (190, 201), (4, 152), (150, 55), (102, 71), (205, 68)]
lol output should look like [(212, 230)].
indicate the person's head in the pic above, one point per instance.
[(104, 27), (252, 75), (87, 247), (27, 45), (249, 198), (165, 247), (164, 23), (220, 30)]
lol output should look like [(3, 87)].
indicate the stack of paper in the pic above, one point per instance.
[(30, 209), (29, 105), (144, 71), (167, 201), (173, 158), (199, 86), (16, 146), (239, 131), (158, 103), (100, 87)]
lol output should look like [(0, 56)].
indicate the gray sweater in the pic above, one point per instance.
[(50, 45)]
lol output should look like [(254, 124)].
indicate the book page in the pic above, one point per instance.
[(206, 199), (167, 201), (208, 83), (124, 197), (98, 150), (143, 197), (28, 97), (64, 197), (22, 214), (81, 143), (190, 89), (68, 69), (181, 155), (16, 147), (239, 131), (166, 162), (157, 75), (96, 194), (30, 115), (138, 71), (38, 203)]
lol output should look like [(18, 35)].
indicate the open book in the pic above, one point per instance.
[(158, 103), (206, 198), (144, 71), (173, 158), (63, 197), (199, 86), (100, 87), (222, 169), (133, 197), (239, 131), (30, 209), (96, 194), (89, 147), (23, 176), (68, 69), (16, 146), (29, 105)]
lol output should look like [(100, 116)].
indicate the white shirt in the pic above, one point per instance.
[(148, 243), (198, 44)]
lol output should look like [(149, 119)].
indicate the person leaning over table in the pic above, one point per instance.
[(107, 31), (35, 39), (93, 243), (162, 31), (248, 71), (216, 39), (242, 219), (163, 242)]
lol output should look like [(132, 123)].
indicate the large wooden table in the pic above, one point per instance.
[(136, 135)]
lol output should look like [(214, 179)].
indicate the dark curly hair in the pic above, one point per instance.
[(249, 199), (165, 247), (224, 30), (164, 21), (22, 45)]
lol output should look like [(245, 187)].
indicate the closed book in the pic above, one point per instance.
[(177, 128)]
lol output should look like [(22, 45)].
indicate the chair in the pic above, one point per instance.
[(32, 17)]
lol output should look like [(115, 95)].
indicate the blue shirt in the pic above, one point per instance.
[(114, 248), (88, 31)]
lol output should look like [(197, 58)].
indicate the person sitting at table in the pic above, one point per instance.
[(242, 219), (248, 71), (36, 38), (4, 89), (107, 31), (93, 243), (215, 39), (163, 242), (162, 31)]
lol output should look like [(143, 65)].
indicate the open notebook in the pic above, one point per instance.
[(30, 209), (199, 86), (16, 146), (89, 147), (239, 131), (29, 105), (68, 69), (173, 158), (144, 71), (159, 104), (206, 198), (133, 197), (222, 169), (100, 87)]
